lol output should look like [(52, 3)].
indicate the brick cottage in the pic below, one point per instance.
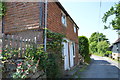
[(25, 18)]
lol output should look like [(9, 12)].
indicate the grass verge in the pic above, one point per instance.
[(97, 54)]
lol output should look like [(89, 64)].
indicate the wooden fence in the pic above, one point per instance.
[(14, 42)]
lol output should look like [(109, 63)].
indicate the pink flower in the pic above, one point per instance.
[(29, 65), (24, 74), (20, 64), (22, 70)]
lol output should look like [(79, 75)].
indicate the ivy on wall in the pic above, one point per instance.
[(54, 49), (2, 9), (54, 42)]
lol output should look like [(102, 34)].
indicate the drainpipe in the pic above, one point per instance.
[(45, 28)]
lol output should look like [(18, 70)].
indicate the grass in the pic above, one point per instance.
[(98, 54)]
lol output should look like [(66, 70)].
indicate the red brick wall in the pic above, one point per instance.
[(54, 18), (21, 16), (55, 25)]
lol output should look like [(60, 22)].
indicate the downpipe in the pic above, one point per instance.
[(45, 28)]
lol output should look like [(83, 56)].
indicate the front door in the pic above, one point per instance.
[(66, 57)]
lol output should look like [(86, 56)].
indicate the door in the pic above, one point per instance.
[(66, 57), (71, 54)]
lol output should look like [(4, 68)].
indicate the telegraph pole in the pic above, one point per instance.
[(99, 22)]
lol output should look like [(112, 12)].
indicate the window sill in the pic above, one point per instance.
[(64, 25)]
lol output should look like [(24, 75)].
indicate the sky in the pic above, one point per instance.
[(87, 16)]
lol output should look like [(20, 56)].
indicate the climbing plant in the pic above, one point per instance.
[(2, 9), (54, 49)]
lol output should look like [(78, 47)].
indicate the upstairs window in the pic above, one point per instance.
[(75, 30), (64, 19)]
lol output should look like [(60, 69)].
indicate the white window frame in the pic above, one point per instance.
[(64, 19), (75, 29), (74, 49)]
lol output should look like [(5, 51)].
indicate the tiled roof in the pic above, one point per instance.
[(118, 40)]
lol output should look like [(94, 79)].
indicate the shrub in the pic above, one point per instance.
[(53, 67), (54, 49), (84, 48), (108, 52), (87, 59)]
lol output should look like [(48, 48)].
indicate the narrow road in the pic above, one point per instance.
[(101, 68)]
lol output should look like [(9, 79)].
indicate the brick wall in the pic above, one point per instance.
[(55, 25), (21, 16)]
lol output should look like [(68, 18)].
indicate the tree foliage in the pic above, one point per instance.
[(102, 47), (84, 48), (95, 40), (93, 48), (95, 37), (114, 10)]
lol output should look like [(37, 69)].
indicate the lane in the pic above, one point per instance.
[(112, 62), (100, 68)]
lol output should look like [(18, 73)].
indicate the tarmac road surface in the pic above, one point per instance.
[(101, 68)]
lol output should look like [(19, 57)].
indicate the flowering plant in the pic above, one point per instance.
[(24, 68)]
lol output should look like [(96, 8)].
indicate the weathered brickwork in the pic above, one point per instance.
[(21, 16)]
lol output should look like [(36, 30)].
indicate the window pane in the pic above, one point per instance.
[(64, 19), (75, 29)]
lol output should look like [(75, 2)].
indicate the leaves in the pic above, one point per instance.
[(84, 47), (115, 23), (97, 40), (2, 9), (102, 47), (54, 49)]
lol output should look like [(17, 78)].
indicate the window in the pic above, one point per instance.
[(73, 44), (75, 30), (64, 19)]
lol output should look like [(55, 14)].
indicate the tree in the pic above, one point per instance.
[(93, 48), (102, 47), (84, 48), (94, 39), (115, 23), (98, 37)]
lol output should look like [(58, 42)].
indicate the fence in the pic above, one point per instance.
[(17, 43)]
